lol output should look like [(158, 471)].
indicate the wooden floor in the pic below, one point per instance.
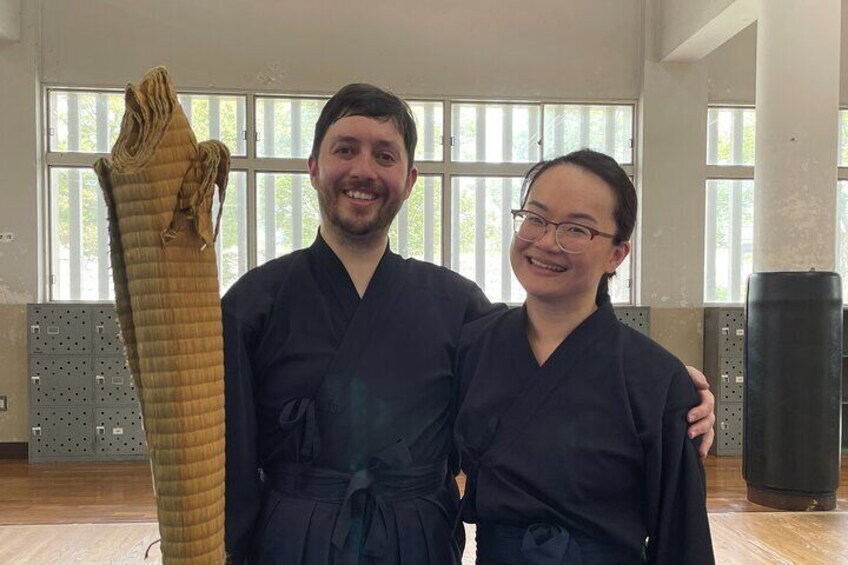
[(104, 513)]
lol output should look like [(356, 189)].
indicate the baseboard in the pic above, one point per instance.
[(14, 450)]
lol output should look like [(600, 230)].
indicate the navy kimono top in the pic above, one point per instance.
[(589, 447), (329, 395)]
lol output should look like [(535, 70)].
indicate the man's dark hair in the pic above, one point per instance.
[(360, 99)]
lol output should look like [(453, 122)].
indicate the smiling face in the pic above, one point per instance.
[(362, 177), (568, 193)]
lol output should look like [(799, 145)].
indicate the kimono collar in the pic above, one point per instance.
[(324, 252), (592, 328), (335, 272)]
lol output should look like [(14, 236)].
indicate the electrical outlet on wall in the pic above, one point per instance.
[(3, 403), (7, 237)]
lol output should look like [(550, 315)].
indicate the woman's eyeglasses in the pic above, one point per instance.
[(571, 237)]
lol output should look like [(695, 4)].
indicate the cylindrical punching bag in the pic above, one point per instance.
[(793, 362)]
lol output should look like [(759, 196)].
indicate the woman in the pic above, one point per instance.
[(572, 426)]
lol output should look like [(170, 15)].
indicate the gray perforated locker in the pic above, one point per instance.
[(61, 434), (729, 429), (732, 379), (636, 317), (119, 431), (60, 381), (106, 332), (732, 332), (724, 365), (113, 383), (59, 329), (79, 384)]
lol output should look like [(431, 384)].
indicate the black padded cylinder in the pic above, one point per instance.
[(792, 402)]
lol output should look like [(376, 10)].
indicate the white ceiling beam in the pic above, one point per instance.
[(689, 30)]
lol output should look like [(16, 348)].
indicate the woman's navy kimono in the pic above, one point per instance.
[(584, 458), (339, 411)]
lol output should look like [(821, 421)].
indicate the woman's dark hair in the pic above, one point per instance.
[(360, 99), (609, 171)]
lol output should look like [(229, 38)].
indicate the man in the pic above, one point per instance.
[(338, 359)]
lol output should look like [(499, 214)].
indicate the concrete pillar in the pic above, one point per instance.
[(671, 170), (797, 99)]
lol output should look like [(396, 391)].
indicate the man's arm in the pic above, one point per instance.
[(243, 496), (702, 417), (678, 528)]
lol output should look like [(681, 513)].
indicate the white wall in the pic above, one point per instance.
[(732, 67), (586, 49), (19, 205), (10, 20), (18, 168)]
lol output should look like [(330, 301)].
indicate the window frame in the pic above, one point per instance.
[(447, 169), (719, 173)]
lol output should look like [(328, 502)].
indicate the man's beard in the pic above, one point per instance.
[(358, 229)]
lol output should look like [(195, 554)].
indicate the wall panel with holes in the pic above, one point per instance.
[(724, 365), (83, 404)]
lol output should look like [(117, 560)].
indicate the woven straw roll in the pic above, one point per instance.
[(159, 186)]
